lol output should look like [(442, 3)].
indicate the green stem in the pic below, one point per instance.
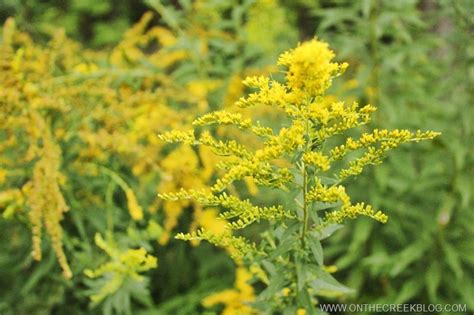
[(110, 205), (305, 208), (305, 188)]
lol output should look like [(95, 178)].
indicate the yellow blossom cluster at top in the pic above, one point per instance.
[(310, 68)]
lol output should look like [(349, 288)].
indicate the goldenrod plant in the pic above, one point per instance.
[(308, 157)]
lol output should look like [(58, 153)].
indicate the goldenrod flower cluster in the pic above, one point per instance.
[(317, 159), (310, 68), (97, 109), (136, 211), (295, 157), (236, 299), (45, 198)]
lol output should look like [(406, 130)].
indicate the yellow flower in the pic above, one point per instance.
[(210, 220), (301, 311), (136, 211), (172, 210), (317, 159), (310, 68), (330, 269), (3, 175), (236, 299)]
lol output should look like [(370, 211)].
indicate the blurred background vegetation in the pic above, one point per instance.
[(413, 59)]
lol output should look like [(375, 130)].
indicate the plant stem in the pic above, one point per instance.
[(305, 208), (305, 188)]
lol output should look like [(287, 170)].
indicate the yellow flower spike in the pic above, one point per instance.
[(178, 136), (271, 93), (9, 30), (310, 68), (330, 194), (235, 88), (301, 311), (251, 186), (173, 210), (330, 269), (45, 199), (235, 300), (352, 211), (317, 159), (209, 219), (9, 196), (135, 210), (223, 118), (259, 273)]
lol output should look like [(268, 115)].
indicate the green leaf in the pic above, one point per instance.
[(292, 228), (452, 259), (304, 300), (328, 230), (407, 257), (316, 249), (328, 180), (366, 7), (409, 290), (283, 248), (277, 283), (300, 274), (318, 206), (326, 285), (269, 267), (290, 310), (169, 15), (41, 270), (464, 186), (433, 280), (465, 290)]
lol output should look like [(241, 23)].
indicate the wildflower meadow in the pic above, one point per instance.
[(236, 157)]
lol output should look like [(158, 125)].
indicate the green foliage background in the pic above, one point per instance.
[(414, 60)]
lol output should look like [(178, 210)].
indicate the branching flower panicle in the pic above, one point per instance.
[(290, 253)]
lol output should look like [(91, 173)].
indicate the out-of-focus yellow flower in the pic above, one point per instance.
[(172, 210), (235, 299), (330, 269), (301, 311), (209, 219), (86, 68), (136, 211), (351, 84), (3, 175)]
